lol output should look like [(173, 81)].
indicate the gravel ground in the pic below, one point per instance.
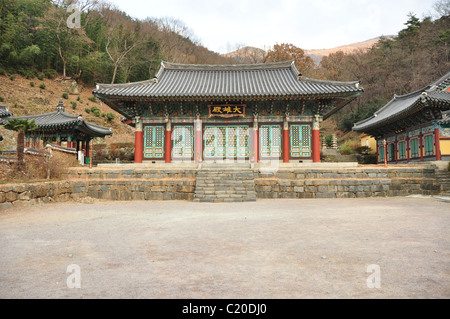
[(266, 249)]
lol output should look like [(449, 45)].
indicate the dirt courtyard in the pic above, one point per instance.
[(270, 249)]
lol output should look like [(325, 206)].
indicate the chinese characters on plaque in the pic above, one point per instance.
[(227, 110)]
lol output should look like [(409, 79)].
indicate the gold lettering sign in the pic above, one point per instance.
[(227, 110)]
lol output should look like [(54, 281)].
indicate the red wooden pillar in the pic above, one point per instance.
[(138, 141), (316, 140), (421, 146), (396, 151), (198, 142), (88, 149), (168, 143), (255, 141), (27, 141), (58, 140), (407, 149), (437, 143), (286, 149), (378, 151)]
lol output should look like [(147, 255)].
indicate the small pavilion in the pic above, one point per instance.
[(71, 131)]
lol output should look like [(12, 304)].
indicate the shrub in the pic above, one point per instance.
[(363, 150), (50, 73), (65, 96), (329, 140), (2, 99), (78, 98), (346, 149), (110, 116), (96, 111), (88, 110), (32, 84), (74, 104), (12, 77), (367, 159), (93, 99), (42, 86), (40, 76), (27, 74)]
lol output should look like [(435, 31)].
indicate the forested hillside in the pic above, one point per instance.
[(417, 56), (111, 47), (108, 46)]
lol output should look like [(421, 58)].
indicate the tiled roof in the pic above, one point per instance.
[(402, 105), (270, 80), (445, 118), (59, 119), (4, 112)]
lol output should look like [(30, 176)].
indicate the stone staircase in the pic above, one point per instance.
[(443, 177), (225, 184)]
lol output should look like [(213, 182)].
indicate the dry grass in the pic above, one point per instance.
[(37, 168)]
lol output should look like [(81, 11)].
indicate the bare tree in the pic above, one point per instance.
[(442, 7)]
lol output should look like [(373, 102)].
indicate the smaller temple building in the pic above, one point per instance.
[(62, 129), (414, 127)]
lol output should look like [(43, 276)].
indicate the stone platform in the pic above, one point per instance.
[(217, 183)]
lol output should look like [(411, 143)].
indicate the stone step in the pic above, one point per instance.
[(225, 185)]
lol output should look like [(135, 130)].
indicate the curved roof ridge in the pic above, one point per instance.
[(219, 67), (124, 85), (346, 83), (438, 82)]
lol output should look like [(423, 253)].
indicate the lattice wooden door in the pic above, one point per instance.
[(154, 142), (228, 141), (270, 141), (300, 138), (183, 142)]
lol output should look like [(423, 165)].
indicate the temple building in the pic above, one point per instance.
[(414, 127), (215, 112), (64, 129)]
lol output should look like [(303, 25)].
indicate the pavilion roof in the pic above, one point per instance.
[(4, 111), (60, 120), (429, 102), (190, 81)]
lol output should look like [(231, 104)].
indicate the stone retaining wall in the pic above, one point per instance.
[(346, 183), (151, 184)]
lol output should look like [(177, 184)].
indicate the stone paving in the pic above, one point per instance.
[(309, 248)]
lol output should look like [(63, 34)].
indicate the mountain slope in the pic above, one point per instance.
[(250, 54)]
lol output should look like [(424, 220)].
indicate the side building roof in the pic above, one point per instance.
[(4, 111), (60, 120), (420, 106)]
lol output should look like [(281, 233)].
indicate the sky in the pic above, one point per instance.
[(224, 25)]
